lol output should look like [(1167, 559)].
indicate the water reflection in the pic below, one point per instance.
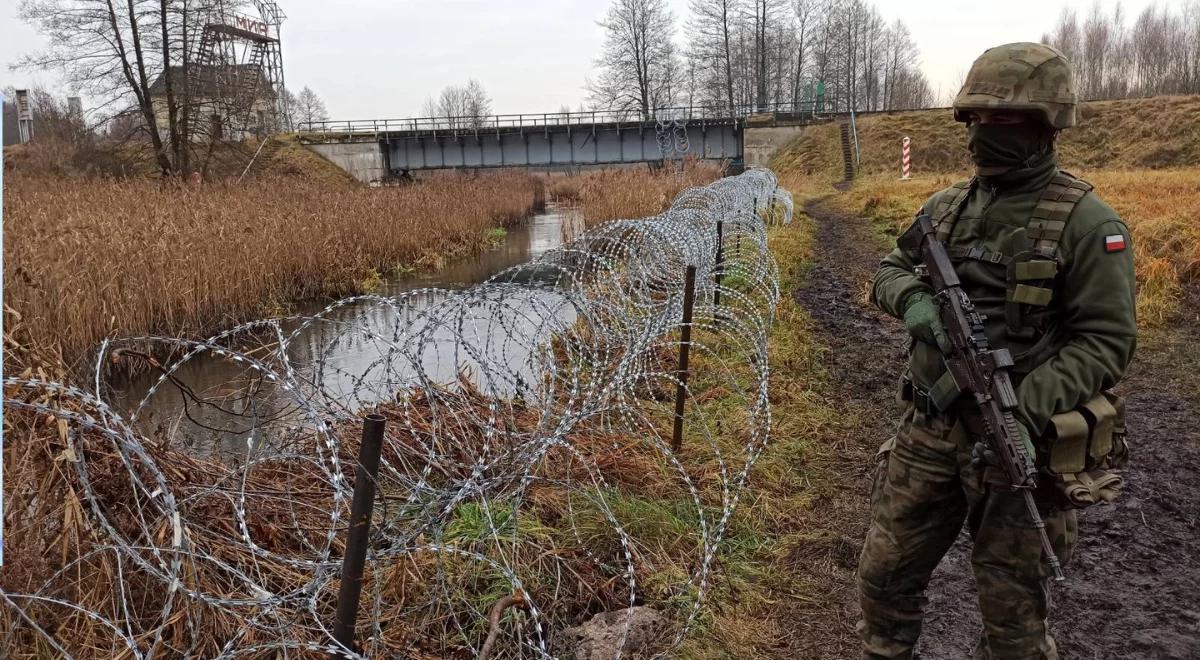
[(367, 349)]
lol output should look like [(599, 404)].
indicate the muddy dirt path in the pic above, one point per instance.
[(863, 353), (1133, 586)]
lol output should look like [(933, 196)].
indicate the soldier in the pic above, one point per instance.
[(1051, 266)]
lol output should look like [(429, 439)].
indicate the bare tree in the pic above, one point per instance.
[(805, 10), (478, 104), (460, 106), (764, 20), (638, 58), (114, 51), (429, 108), (1158, 54), (452, 104), (1096, 46), (711, 25), (842, 50), (309, 108)]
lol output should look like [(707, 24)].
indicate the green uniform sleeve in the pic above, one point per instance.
[(894, 281), (1099, 323)]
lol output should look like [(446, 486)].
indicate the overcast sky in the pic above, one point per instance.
[(375, 58)]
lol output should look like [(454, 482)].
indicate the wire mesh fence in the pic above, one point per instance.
[(526, 477)]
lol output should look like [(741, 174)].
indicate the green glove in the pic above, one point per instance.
[(982, 454), (923, 322)]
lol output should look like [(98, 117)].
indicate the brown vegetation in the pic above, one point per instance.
[(85, 258), (1143, 156), (54, 531), (604, 195), (1159, 206), (306, 241), (1152, 133)]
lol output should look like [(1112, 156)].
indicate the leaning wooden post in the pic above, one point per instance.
[(360, 526), (719, 268), (685, 344)]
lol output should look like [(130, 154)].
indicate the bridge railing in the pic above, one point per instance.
[(469, 124)]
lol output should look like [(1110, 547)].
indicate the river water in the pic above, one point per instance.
[(216, 404)]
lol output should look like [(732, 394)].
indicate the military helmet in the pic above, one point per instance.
[(1021, 76)]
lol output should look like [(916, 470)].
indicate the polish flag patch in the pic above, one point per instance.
[(1114, 243)]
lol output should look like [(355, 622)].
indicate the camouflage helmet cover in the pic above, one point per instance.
[(1021, 76)]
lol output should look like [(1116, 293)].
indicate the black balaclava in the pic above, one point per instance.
[(1001, 148)]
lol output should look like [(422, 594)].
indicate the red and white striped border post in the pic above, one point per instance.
[(907, 160)]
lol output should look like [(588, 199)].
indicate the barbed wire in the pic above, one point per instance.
[(526, 453), (672, 136)]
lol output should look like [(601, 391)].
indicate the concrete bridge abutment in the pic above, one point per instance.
[(365, 161)]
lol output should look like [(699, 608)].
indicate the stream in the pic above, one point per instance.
[(216, 404)]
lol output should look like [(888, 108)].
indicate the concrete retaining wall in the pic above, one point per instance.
[(762, 142), (363, 160)]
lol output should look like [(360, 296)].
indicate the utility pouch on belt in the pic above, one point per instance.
[(1084, 445)]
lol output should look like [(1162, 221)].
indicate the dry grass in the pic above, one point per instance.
[(778, 573), (1141, 154), (293, 160), (1154, 133), (605, 195), (1160, 207), (83, 258)]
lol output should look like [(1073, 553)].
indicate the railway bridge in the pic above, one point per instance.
[(378, 149)]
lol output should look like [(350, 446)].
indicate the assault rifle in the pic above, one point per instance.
[(979, 370)]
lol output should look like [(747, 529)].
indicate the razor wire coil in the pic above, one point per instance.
[(516, 411)]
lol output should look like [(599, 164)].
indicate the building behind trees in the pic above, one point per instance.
[(175, 77)]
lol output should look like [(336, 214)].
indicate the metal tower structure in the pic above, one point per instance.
[(238, 71), (273, 16)]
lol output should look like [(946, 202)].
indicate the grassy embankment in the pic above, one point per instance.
[(1142, 155), (784, 519)]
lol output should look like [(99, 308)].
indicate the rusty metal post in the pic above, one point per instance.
[(685, 344), (356, 538), (719, 268)]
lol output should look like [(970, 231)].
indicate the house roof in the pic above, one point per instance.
[(216, 81)]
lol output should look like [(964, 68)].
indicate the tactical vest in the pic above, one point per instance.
[(1033, 260), (1088, 443)]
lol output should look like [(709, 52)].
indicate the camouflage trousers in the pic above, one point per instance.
[(924, 490)]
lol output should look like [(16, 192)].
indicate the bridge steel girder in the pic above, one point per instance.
[(554, 146)]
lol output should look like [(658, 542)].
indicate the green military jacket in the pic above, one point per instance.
[(1087, 333)]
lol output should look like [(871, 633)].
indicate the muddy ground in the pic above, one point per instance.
[(1133, 586)]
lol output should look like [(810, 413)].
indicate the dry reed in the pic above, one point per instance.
[(604, 195), (55, 529), (86, 257)]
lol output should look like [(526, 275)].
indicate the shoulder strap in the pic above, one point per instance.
[(1032, 272), (949, 206), (1053, 210)]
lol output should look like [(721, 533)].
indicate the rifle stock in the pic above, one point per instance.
[(979, 370)]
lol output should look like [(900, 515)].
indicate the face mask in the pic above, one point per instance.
[(999, 148)]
